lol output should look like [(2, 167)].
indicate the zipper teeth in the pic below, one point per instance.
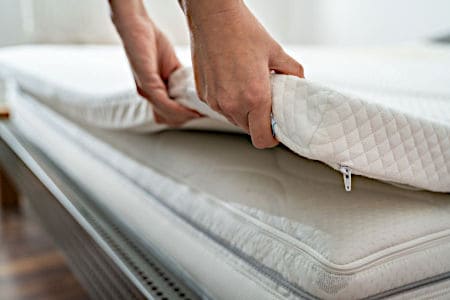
[(344, 169), (373, 262), (400, 253)]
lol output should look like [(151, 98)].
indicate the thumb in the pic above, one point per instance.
[(284, 64)]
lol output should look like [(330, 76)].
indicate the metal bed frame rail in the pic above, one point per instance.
[(109, 261)]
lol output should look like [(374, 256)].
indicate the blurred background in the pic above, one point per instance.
[(325, 22)]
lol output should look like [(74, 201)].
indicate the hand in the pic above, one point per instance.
[(233, 57), (152, 60)]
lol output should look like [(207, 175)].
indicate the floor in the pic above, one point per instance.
[(30, 265)]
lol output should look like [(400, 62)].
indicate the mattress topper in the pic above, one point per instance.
[(285, 214), (381, 113)]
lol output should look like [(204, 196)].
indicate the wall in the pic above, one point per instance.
[(169, 17), (343, 22), (55, 21), (72, 21), (350, 22), (11, 27), (335, 22)]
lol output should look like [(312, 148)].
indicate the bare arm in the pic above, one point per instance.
[(233, 56), (152, 59)]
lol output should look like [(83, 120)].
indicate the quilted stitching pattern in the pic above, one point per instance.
[(373, 139)]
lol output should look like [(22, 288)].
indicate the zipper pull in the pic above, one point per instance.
[(347, 175), (273, 124)]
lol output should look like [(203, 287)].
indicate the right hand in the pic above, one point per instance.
[(153, 60), (233, 57)]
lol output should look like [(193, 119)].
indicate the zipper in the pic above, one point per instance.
[(273, 124), (346, 171), (347, 176)]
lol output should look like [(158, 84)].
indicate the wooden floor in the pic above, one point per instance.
[(30, 265)]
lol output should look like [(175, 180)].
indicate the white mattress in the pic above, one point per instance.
[(270, 224), (382, 113)]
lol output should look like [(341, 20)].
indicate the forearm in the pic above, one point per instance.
[(130, 13), (152, 59), (198, 11), (137, 33)]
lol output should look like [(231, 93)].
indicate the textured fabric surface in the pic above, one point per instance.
[(280, 220), (395, 128), (90, 83), (367, 136)]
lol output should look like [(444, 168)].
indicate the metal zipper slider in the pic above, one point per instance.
[(273, 124), (347, 175)]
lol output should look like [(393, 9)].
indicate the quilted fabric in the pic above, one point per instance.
[(394, 130), (369, 138)]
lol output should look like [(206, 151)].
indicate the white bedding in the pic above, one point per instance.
[(270, 224), (384, 113)]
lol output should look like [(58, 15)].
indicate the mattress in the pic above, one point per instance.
[(270, 224), (362, 118)]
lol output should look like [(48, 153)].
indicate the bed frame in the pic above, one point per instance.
[(109, 261)]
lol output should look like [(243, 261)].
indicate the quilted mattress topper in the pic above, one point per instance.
[(381, 113), (353, 134)]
